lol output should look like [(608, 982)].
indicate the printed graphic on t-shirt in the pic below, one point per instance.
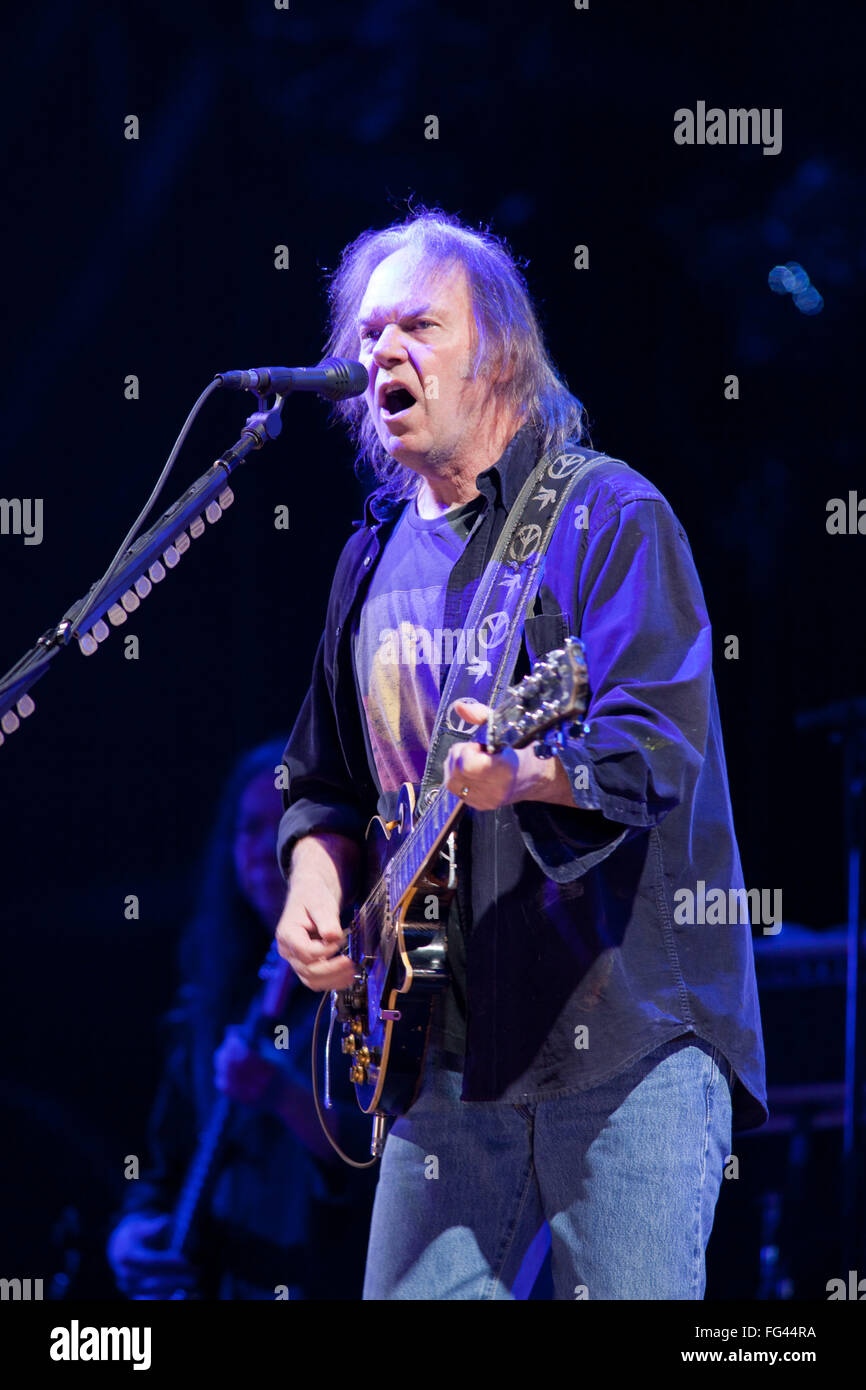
[(402, 651)]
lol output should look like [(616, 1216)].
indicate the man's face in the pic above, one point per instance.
[(416, 334)]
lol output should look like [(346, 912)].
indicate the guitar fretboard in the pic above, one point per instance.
[(376, 914), (416, 852)]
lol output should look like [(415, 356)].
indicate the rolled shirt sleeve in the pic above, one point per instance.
[(641, 614)]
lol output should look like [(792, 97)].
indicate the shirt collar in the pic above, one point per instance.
[(514, 465), (379, 507), (502, 479)]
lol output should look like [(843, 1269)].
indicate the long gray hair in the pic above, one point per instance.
[(506, 332)]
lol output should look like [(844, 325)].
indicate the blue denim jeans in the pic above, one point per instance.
[(625, 1175)]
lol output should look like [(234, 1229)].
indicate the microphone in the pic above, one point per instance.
[(338, 378)]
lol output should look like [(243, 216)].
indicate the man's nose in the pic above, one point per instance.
[(390, 347)]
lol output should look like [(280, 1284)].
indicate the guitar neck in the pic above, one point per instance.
[(413, 856), (268, 1003), (199, 1174)]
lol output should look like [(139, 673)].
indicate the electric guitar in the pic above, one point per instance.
[(397, 935)]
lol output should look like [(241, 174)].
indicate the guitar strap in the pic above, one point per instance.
[(490, 641)]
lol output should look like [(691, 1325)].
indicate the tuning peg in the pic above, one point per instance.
[(156, 571), (213, 511), (545, 747), (116, 615), (130, 601), (170, 556), (196, 526), (182, 543), (142, 586)]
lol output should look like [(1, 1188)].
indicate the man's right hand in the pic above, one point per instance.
[(142, 1266), (309, 935)]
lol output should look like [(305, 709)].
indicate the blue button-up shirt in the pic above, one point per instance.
[(578, 960)]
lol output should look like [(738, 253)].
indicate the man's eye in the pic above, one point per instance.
[(368, 333)]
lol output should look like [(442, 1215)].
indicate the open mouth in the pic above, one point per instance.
[(396, 400)]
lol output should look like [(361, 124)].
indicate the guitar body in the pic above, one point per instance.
[(388, 1029)]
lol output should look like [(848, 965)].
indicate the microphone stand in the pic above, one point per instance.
[(141, 566)]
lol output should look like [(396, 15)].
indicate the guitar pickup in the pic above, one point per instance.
[(390, 1015)]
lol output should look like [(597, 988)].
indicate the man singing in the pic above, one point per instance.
[(591, 1052)]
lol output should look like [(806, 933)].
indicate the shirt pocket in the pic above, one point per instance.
[(544, 633)]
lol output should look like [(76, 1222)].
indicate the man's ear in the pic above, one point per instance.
[(506, 370)]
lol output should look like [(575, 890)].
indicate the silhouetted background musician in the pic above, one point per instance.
[(281, 1211)]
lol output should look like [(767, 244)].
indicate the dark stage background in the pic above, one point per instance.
[(155, 257)]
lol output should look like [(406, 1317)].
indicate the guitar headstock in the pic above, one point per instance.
[(555, 693)]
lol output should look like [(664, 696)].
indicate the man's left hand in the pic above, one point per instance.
[(486, 781)]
